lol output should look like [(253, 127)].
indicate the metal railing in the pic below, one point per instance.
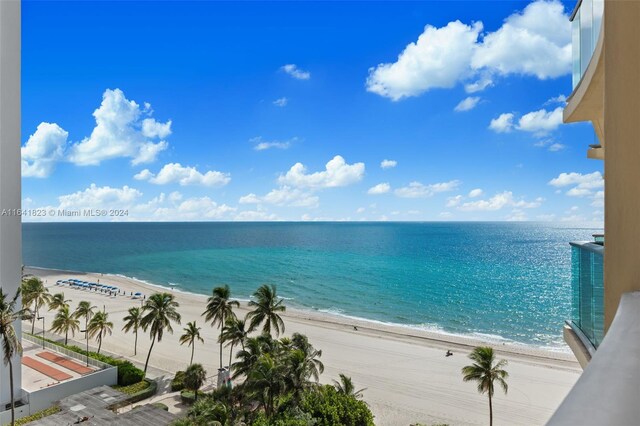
[(586, 22), (587, 291)]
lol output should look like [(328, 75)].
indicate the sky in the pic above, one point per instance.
[(416, 111)]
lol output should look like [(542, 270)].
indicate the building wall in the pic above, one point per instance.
[(10, 224), (622, 159)]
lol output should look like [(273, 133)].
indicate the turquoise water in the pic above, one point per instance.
[(501, 280)]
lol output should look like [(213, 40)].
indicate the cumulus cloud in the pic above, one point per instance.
[(467, 104), (499, 201), (120, 131), (281, 102), (44, 148), (283, 196), (454, 201), (582, 185), (503, 123), (388, 164), (184, 175), (534, 42), (540, 122), (560, 99), (476, 193), (337, 173), (295, 72), (419, 190), (262, 144), (99, 197), (381, 188), (438, 59)]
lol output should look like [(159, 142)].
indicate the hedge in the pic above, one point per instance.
[(189, 397), (177, 384), (38, 415), (145, 393), (161, 406), (128, 374)]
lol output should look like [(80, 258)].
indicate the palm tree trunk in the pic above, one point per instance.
[(220, 345), (193, 348), (490, 411), (13, 404), (149, 354), (135, 344), (66, 336), (99, 341), (230, 356), (33, 320)]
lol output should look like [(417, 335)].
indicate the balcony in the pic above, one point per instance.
[(586, 22), (586, 326)]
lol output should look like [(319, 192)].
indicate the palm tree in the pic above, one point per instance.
[(233, 333), (219, 310), (266, 382), (34, 293), (345, 386), (247, 357), (158, 313), (190, 337), (65, 322), (132, 322), (58, 301), (267, 305), (99, 327), (485, 372), (194, 377), (10, 341), (84, 310), (314, 366)]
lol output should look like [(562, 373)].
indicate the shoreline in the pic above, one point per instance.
[(405, 372), (470, 341)]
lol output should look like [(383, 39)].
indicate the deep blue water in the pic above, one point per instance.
[(510, 280)]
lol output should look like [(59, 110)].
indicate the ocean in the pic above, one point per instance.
[(500, 281)]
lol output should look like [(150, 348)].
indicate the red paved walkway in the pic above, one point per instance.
[(65, 362), (45, 369)]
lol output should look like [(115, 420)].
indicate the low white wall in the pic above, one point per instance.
[(44, 398)]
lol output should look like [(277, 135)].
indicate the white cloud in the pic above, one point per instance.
[(184, 175), (502, 124), (438, 59), (337, 173), (360, 210), (120, 132), (534, 42), (281, 102), (381, 188), (475, 193), (454, 201), (498, 201), (261, 144), (295, 72), (555, 147), (419, 190), (388, 164), (283, 196), (254, 216), (467, 104), (99, 197), (44, 148), (516, 215), (583, 185), (560, 99), (541, 122)]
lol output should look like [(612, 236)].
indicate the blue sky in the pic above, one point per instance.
[(287, 111)]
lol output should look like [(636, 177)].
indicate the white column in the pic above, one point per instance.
[(10, 190)]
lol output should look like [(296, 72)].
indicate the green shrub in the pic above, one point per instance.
[(134, 388), (38, 415), (177, 384), (161, 406), (329, 407), (188, 397)]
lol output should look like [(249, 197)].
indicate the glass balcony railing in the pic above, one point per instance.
[(586, 22), (587, 288)]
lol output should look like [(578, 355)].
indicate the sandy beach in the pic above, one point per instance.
[(405, 372)]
